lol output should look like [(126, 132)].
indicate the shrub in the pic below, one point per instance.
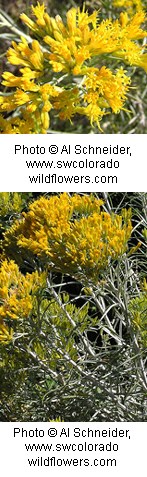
[(73, 332)]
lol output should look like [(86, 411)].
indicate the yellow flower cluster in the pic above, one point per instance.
[(16, 295), (72, 234), (10, 202), (72, 50), (130, 5), (16, 125)]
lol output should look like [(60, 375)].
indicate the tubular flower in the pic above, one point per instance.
[(30, 124), (37, 100), (17, 294), (72, 234), (75, 49), (24, 55), (102, 86), (88, 38), (67, 103)]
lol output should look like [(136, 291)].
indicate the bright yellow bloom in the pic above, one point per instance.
[(16, 290), (24, 55), (35, 101), (72, 234), (17, 295), (30, 124), (23, 81), (142, 62), (6, 335), (113, 88), (67, 103), (74, 48)]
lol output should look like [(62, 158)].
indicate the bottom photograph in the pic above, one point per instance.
[(73, 307)]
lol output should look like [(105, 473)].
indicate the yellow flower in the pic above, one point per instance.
[(72, 234), (6, 335), (10, 202), (38, 98), (102, 91), (67, 103), (83, 37), (142, 62), (23, 81), (24, 55), (93, 112), (39, 11), (130, 5), (17, 295), (74, 48), (30, 124), (16, 290)]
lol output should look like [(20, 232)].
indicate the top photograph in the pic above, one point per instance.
[(73, 67)]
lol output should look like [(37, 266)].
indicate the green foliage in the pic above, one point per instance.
[(138, 309)]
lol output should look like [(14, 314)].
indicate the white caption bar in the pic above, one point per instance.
[(97, 449), (62, 162)]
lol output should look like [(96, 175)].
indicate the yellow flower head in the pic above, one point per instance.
[(47, 68), (16, 290), (72, 234)]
